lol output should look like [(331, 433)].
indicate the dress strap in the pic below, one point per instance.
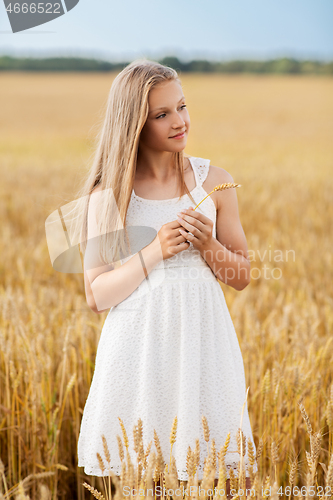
[(201, 168)]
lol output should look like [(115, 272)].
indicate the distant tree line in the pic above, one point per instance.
[(283, 65)]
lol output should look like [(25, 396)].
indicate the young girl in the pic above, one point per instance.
[(168, 346)]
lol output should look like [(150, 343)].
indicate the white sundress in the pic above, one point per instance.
[(169, 349)]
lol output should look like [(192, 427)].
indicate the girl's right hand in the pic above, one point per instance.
[(170, 240)]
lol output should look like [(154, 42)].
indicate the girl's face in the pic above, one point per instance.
[(167, 117)]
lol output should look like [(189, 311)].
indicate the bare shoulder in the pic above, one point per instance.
[(216, 175)]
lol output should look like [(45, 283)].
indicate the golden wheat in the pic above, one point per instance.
[(279, 148)]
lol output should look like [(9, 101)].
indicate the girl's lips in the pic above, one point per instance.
[(180, 136)]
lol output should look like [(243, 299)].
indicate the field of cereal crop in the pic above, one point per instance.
[(274, 135)]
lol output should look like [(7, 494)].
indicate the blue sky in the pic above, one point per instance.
[(214, 29)]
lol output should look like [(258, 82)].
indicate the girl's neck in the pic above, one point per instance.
[(159, 168)]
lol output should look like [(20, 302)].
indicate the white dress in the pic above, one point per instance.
[(169, 349)]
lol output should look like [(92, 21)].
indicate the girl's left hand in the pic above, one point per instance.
[(199, 225)]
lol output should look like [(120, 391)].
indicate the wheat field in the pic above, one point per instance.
[(274, 135)]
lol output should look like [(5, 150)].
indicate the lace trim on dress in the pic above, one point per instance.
[(202, 168), (182, 474)]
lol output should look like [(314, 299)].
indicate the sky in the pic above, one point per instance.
[(123, 30)]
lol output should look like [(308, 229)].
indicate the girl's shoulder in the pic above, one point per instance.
[(210, 176)]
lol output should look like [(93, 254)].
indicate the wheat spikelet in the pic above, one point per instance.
[(213, 452), (147, 454), (207, 466), (275, 454), (260, 448), (140, 429), (255, 486), (306, 418), (316, 446), (266, 485), (219, 187), (165, 471), (309, 459), (156, 475), (130, 468), (226, 445), (124, 475), (71, 382), (293, 469), (139, 471), (173, 431), (222, 472), (191, 465), (124, 432), (188, 459), (106, 450), (92, 490), (308, 484), (100, 461), (136, 438), (226, 185), (120, 448), (233, 483), (251, 457), (61, 467), (241, 442), (160, 458), (205, 428), (141, 452)]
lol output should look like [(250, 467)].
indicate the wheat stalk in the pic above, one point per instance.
[(173, 436), (219, 187), (95, 492)]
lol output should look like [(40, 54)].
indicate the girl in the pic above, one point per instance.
[(168, 346)]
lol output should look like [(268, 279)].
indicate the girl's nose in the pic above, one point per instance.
[(179, 122)]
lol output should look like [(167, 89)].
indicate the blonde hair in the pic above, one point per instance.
[(114, 163)]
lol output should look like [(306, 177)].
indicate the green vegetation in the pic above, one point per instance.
[(284, 65)]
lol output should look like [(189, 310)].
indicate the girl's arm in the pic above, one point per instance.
[(227, 255), (102, 290)]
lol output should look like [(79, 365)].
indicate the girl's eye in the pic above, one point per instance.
[(183, 106)]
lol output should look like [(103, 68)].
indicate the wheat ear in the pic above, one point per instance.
[(220, 187)]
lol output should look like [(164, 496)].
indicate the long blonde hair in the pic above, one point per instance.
[(114, 164)]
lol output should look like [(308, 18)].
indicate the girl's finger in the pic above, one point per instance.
[(196, 215), (192, 223), (186, 235)]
